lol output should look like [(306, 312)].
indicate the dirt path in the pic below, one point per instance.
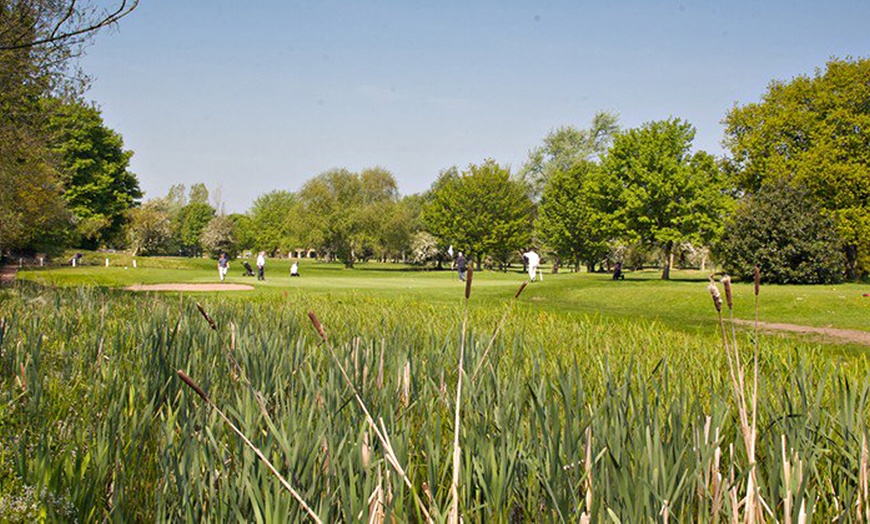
[(190, 287), (8, 274), (845, 335)]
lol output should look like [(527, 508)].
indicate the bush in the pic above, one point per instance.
[(782, 229)]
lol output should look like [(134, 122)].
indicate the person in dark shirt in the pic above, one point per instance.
[(461, 266)]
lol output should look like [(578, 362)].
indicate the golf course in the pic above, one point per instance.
[(581, 397)]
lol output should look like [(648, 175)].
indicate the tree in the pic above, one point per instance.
[(191, 221), (39, 42), (51, 24), (659, 192), (785, 232), (813, 132), (97, 185), (567, 145), (570, 221), (149, 231), (342, 212), (481, 211), (271, 215), (243, 227), (219, 236)]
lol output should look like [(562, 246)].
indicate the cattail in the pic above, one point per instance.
[(520, 290), (187, 380), (717, 298), (757, 272), (206, 317), (317, 325), (468, 282), (726, 283)]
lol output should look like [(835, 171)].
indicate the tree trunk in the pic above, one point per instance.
[(669, 256), (851, 262)]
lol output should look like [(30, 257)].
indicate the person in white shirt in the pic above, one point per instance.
[(534, 262), (261, 266), (294, 269)]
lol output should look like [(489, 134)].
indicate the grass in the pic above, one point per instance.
[(570, 415), (678, 304)]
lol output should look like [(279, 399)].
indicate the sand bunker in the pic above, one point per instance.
[(190, 287)]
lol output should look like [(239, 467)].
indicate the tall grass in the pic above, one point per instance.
[(571, 418)]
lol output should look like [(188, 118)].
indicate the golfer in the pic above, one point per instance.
[(534, 261), (223, 266), (261, 266), (461, 266)]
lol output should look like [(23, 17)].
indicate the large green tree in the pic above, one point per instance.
[(572, 220), (481, 211), (192, 219), (815, 133), (342, 213), (271, 216), (93, 165), (39, 43), (660, 191)]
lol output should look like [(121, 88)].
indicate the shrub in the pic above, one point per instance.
[(783, 230)]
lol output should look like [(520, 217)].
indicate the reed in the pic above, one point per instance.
[(577, 418)]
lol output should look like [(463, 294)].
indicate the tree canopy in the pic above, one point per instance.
[(662, 193), (567, 145), (815, 133), (481, 211), (784, 231), (570, 220), (93, 169)]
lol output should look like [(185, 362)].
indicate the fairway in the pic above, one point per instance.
[(682, 303)]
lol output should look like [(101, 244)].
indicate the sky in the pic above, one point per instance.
[(255, 96)]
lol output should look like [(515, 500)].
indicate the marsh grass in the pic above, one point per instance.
[(571, 418)]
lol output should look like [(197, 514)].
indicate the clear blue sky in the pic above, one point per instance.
[(260, 95)]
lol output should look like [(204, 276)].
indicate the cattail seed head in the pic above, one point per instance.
[(317, 325), (520, 290), (717, 298), (468, 278), (757, 273), (206, 317), (726, 283), (189, 381)]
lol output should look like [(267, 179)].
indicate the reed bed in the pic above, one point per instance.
[(561, 418)]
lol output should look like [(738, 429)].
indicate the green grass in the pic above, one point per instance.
[(100, 428), (681, 303)]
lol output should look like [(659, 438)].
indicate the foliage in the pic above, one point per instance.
[(343, 214), (481, 211), (271, 216), (219, 236), (424, 248), (567, 145), (782, 229), (568, 220), (192, 219), (244, 230), (662, 194), (93, 164), (150, 228), (814, 132)]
